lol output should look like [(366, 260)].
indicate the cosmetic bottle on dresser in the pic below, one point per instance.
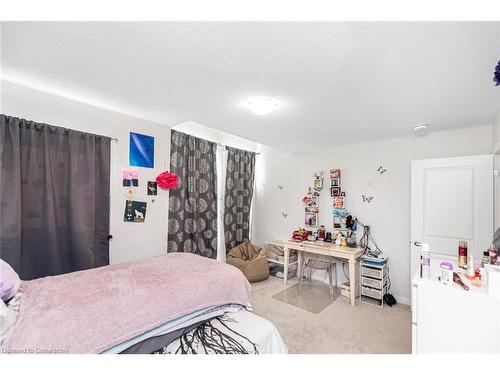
[(425, 266), (462, 255)]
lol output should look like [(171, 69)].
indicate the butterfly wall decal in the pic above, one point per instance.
[(381, 170), (284, 214), (280, 187), (367, 199)]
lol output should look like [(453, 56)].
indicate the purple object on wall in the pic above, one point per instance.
[(496, 74)]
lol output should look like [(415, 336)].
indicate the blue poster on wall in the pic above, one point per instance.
[(142, 150)]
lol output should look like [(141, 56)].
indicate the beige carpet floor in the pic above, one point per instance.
[(339, 328)]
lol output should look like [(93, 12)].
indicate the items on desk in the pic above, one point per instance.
[(351, 240), (477, 281), (471, 273), (338, 239), (300, 234), (486, 258), (312, 237), (446, 277), (458, 280), (321, 232), (351, 222), (425, 262), (462, 254), (328, 237)]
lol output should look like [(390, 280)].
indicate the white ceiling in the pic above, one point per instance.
[(335, 82)]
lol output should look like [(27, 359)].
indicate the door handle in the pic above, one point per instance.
[(417, 243)]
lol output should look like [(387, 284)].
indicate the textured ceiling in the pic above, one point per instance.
[(335, 82)]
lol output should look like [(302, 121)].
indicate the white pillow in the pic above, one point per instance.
[(9, 281), (8, 317)]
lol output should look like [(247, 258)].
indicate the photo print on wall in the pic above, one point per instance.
[(152, 188), (135, 212), (130, 177), (142, 150), (335, 174), (339, 202), (311, 219), (335, 191)]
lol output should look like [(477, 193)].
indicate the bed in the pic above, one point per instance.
[(177, 303)]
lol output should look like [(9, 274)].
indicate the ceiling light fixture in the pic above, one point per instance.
[(421, 129), (262, 105)]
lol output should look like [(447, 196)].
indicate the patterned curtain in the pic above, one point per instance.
[(238, 197), (54, 198), (192, 223)]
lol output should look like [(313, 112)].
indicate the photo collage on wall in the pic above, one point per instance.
[(311, 201), (141, 154), (338, 196)]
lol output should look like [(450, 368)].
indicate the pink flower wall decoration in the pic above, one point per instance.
[(167, 180)]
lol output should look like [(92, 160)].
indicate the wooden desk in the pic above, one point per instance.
[(350, 254)]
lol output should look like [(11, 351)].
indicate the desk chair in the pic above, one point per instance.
[(319, 262)]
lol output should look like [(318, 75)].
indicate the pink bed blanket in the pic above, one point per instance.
[(90, 311)]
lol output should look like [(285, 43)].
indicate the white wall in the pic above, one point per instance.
[(213, 135), (496, 150), (389, 212), (496, 135), (130, 240)]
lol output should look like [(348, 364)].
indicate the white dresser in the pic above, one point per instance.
[(448, 319)]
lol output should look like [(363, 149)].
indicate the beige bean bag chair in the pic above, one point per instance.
[(247, 258)]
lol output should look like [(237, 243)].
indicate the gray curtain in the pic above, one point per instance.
[(238, 196), (54, 198), (192, 223)]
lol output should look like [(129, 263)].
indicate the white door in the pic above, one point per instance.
[(451, 200)]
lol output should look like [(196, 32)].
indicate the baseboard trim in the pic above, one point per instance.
[(496, 148), (403, 300)]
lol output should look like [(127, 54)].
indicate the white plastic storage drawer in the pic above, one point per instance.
[(373, 283), (376, 273), (373, 293)]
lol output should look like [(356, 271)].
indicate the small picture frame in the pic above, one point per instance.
[(335, 182), (337, 223), (339, 202), (313, 202), (152, 188), (130, 177), (335, 174), (335, 191), (135, 212), (311, 219), (318, 184)]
